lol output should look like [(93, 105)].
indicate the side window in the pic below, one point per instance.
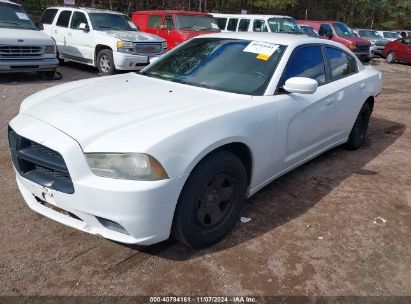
[(306, 62), (260, 26), (78, 18), (154, 21), (48, 16), (221, 22), (408, 41), (168, 20), (232, 25), (243, 26), (324, 29), (342, 65), (64, 19)]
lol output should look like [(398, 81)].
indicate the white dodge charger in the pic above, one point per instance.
[(176, 149)]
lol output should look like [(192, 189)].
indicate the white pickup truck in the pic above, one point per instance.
[(105, 39), (23, 48)]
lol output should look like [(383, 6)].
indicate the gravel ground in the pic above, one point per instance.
[(312, 232)]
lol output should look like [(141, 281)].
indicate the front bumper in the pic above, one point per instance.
[(144, 209), (363, 55), (128, 62), (28, 65)]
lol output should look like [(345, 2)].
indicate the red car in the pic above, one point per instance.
[(340, 32), (398, 50), (175, 26)]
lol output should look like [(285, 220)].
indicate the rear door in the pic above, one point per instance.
[(348, 92), (61, 29)]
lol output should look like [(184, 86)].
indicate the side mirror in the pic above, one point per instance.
[(39, 25), (301, 85), (84, 27), (163, 27), (329, 34)]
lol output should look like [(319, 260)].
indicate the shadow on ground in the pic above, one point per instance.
[(293, 194)]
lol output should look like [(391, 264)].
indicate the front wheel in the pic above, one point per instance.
[(211, 200), (105, 62), (391, 57), (359, 130)]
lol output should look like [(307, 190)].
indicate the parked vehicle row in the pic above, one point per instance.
[(216, 120), (340, 32), (112, 41)]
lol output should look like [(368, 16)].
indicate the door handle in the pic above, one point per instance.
[(55, 31), (362, 86)]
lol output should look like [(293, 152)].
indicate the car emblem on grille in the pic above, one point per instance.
[(20, 40), (149, 48)]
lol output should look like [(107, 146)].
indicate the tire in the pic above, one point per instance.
[(368, 59), (49, 75), (211, 200), (391, 58), (61, 60), (105, 62), (359, 130)]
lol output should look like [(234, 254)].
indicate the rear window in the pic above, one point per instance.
[(232, 24), (154, 21), (64, 19), (260, 26), (48, 16)]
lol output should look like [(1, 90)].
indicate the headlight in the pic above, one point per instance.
[(351, 46), (125, 46), (134, 166), (50, 49)]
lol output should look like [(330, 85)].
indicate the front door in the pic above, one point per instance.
[(306, 117), (79, 40)]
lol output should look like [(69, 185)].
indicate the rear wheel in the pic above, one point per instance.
[(105, 62), (391, 57), (359, 130), (211, 200)]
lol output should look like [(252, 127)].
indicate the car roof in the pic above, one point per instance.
[(277, 38), (249, 15), (87, 9), (177, 12)]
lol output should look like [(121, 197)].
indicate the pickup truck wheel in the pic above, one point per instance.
[(211, 200), (391, 57), (105, 62), (359, 130)]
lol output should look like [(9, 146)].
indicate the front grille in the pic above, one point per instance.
[(39, 164), (148, 48), (15, 51), (362, 48)]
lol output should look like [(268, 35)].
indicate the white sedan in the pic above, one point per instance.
[(176, 150)]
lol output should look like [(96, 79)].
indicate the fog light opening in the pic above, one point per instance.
[(112, 225)]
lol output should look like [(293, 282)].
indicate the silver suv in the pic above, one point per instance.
[(23, 47)]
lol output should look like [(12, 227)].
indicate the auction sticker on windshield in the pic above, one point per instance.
[(264, 50), (22, 16)]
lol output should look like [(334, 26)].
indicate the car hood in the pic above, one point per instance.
[(132, 36), (103, 109), (356, 40), (23, 37)]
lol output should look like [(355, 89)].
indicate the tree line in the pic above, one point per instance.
[(381, 14)]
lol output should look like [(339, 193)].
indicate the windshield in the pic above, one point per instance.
[(391, 35), (13, 16), (369, 34), (284, 25), (196, 22), (342, 30), (308, 30), (107, 22), (229, 65)]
